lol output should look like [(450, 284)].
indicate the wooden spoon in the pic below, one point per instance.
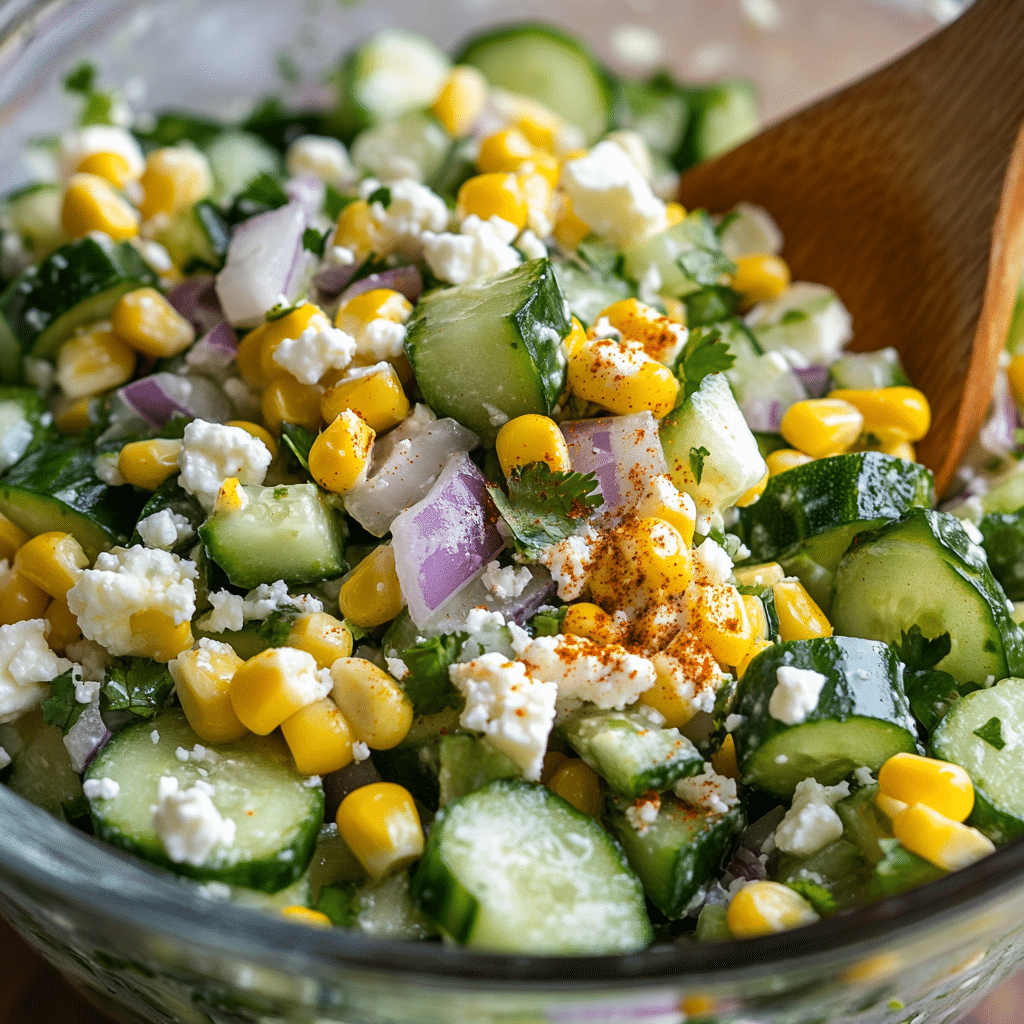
[(905, 193)]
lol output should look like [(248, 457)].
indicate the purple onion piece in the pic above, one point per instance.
[(308, 192), (221, 337), (148, 397), (519, 609), (330, 282), (814, 379), (86, 736), (407, 280), (196, 300), (747, 864), (763, 415)]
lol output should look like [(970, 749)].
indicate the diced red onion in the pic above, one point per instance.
[(763, 415), (149, 397), (754, 835), (330, 281), (162, 396), (814, 379), (196, 300), (222, 337), (86, 736), (747, 864), (997, 435), (443, 541), (308, 192), (407, 280)]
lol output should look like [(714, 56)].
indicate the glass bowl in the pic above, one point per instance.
[(147, 946)]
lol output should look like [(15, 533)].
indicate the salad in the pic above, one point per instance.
[(417, 522)]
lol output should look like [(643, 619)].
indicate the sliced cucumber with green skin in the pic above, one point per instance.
[(41, 769), (924, 570), (491, 349), (55, 487), (864, 824), (34, 215), (863, 371), (767, 598), (678, 852), (807, 516), (997, 772), (657, 109), (514, 868), (78, 284), (1003, 540), (236, 157), (277, 815), (25, 419), (171, 497), (412, 145), (630, 753), (838, 868), (549, 66), (197, 238), (469, 762), (722, 115), (587, 293), (861, 717), (285, 533)]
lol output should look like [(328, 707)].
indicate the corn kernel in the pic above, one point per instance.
[(621, 377), (202, 680), (147, 322), (371, 594), (756, 648), (53, 561), (569, 230), (286, 400), (661, 337), (319, 738), (647, 554), (147, 464), (268, 336), (339, 456), (723, 760), (675, 213), (248, 358), (12, 537), (698, 1006), (1015, 375), (799, 617), (260, 433), (303, 915), (64, 627), (71, 415), (381, 826), (591, 621), (686, 670), (822, 426), (754, 493), (760, 277), (175, 178), (20, 598), (947, 844), (374, 304), (765, 574), (376, 707), (761, 908), (532, 438), (460, 100), (541, 125), (553, 760), (889, 806), (375, 394), (547, 165), (578, 784), (663, 500), (156, 635), (272, 685), (323, 636), (576, 337), (111, 166), (356, 229), (891, 414), (493, 195), (92, 362), (92, 204), (505, 150), (719, 619), (944, 787), (901, 450), (231, 496), (538, 192), (782, 459)]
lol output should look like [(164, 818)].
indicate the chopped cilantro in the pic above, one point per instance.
[(697, 457), (703, 354), (818, 896), (137, 685), (334, 202), (705, 266), (314, 242), (61, 709), (726, 221), (263, 194), (382, 196), (427, 683), (279, 312), (298, 440), (548, 621), (931, 694), (81, 79), (992, 733), (918, 652), (792, 316), (274, 629), (358, 632), (280, 492), (711, 305)]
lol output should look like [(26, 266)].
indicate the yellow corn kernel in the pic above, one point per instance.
[(460, 100), (147, 464), (891, 414), (175, 178), (268, 336), (754, 493), (371, 594), (12, 537), (71, 416), (675, 213), (111, 166), (376, 394), (92, 204), (376, 707), (145, 320), (760, 277), (723, 760), (202, 680), (782, 459), (541, 125), (381, 826), (545, 164), (20, 598), (621, 377), (553, 760), (569, 230), (1015, 375), (719, 619), (799, 617), (664, 500), (318, 737), (947, 844), (272, 685), (761, 908), (578, 784), (576, 337), (902, 450), (338, 458), (356, 229), (323, 636), (156, 635), (493, 195), (757, 616), (303, 915), (53, 561), (756, 648), (532, 438), (539, 193), (92, 362), (661, 337), (944, 787), (287, 400), (505, 151), (375, 304), (822, 426), (64, 627), (647, 554), (685, 669), (260, 433), (230, 496), (765, 574), (248, 358), (591, 621), (889, 806)]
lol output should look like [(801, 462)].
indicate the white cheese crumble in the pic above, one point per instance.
[(360, 751), (188, 824), (811, 823), (212, 452), (481, 248), (529, 245), (101, 789), (712, 564), (27, 665), (320, 347), (863, 776), (709, 791), (413, 210), (505, 581), (796, 694), (268, 598), (643, 812), (733, 722), (80, 143), (227, 614), (164, 529), (322, 157), (570, 561), (105, 467)]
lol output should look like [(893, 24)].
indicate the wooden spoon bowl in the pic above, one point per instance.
[(905, 193)]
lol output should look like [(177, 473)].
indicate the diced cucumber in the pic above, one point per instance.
[(861, 716), (864, 824), (55, 487), (77, 284), (1006, 493), (657, 109), (277, 815), (807, 516), (722, 116), (678, 852), (413, 145), (288, 532), (41, 769), (547, 65), (924, 570), (383, 908), (838, 869), (900, 871), (24, 421), (197, 238), (236, 157), (514, 868), (33, 214), (994, 764), (630, 753), (809, 319), (1003, 540), (863, 371), (587, 292), (469, 762), (667, 252), (489, 350)]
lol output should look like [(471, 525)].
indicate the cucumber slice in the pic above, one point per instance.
[(33, 213), (678, 852), (1003, 540), (807, 516), (285, 533), (514, 868), (56, 488), (864, 824), (467, 763), (236, 157), (838, 869), (276, 814), (24, 421), (722, 116), (630, 753), (549, 66), (924, 570), (413, 145), (996, 771), (491, 349), (658, 110), (863, 371), (77, 284), (41, 769), (861, 716), (197, 238)]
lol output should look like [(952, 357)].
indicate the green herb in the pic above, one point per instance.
[(358, 632), (918, 652), (98, 106), (279, 312), (705, 266), (81, 79), (818, 896), (899, 870), (792, 316), (711, 305), (274, 629), (172, 129), (932, 693), (548, 621), (704, 353), (382, 196), (727, 220), (334, 202), (992, 733), (137, 685), (263, 194), (299, 441), (314, 242), (697, 457), (62, 709), (427, 683)]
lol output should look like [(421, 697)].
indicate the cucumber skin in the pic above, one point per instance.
[(1003, 541)]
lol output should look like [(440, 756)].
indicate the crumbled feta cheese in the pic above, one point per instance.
[(570, 561), (105, 467), (712, 564), (796, 694), (320, 347), (811, 823), (863, 776), (125, 581), (495, 416), (227, 614), (80, 143), (86, 690), (27, 665), (188, 824), (164, 529), (360, 751), (530, 245), (413, 210), (514, 711), (268, 598), (710, 791), (480, 249), (733, 722), (691, 671), (635, 147), (154, 737), (643, 812), (212, 452), (505, 581), (381, 338), (320, 156), (397, 667), (101, 789)]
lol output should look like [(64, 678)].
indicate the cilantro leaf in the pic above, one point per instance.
[(704, 353), (313, 241), (543, 507), (932, 693), (705, 266), (711, 305), (334, 202), (81, 79), (918, 652), (358, 632), (137, 685), (992, 733), (61, 709), (548, 621), (274, 629), (299, 440), (381, 195), (427, 683), (263, 194), (792, 316), (818, 896), (697, 457)]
